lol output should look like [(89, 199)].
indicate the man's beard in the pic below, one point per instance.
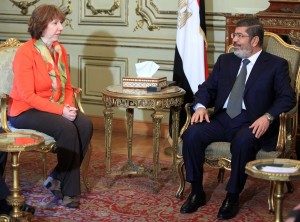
[(244, 52)]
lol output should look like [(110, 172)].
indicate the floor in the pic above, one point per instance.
[(142, 145)]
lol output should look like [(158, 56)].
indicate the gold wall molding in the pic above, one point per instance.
[(154, 17), (97, 72), (14, 17), (24, 5), (66, 7), (115, 13), (110, 11)]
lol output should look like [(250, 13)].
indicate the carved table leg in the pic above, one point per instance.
[(129, 128), (15, 199), (157, 117), (175, 134), (108, 115)]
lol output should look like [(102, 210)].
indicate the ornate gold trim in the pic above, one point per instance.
[(110, 11), (24, 5), (295, 36), (10, 42), (145, 18), (66, 7), (280, 22), (155, 7)]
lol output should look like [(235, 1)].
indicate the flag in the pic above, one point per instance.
[(190, 62)]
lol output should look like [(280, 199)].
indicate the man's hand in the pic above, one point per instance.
[(260, 126), (199, 115), (69, 112)]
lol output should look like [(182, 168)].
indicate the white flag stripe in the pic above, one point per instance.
[(190, 44)]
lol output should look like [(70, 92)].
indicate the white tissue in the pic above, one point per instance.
[(146, 69)]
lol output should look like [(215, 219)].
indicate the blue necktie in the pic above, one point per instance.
[(234, 106)]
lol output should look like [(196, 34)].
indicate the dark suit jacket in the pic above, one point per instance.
[(267, 89)]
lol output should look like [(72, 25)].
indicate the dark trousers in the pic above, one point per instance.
[(72, 139), (244, 147)]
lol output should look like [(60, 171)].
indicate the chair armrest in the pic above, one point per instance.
[(287, 130), (77, 97), (4, 122), (187, 109)]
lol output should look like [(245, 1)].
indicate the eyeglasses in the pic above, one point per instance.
[(238, 35)]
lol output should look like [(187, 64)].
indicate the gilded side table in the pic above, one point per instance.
[(169, 98), (277, 177), (15, 143)]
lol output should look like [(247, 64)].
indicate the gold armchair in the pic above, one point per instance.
[(217, 154), (7, 53)]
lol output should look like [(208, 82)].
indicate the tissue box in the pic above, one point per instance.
[(143, 83)]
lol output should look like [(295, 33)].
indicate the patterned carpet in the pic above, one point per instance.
[(131, 198)]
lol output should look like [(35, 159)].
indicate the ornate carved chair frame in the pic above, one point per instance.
[(217, 154), (9, 47)]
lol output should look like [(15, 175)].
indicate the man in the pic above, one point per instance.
[(249, 123)]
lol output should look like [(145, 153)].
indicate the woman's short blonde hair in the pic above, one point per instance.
[(40, 18)]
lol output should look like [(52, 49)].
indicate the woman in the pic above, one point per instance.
[(42, 99)]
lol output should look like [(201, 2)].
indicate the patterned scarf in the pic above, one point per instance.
[(56, 69)]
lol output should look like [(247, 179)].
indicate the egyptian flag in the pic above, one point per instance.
[(190, 63)]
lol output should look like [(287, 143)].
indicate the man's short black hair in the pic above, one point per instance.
[(254, 28)]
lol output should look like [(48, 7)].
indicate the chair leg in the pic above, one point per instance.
[(85, 167), (179, 170), (44, 168), (221, 175)]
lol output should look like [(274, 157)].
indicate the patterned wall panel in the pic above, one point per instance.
[(108, 12), (156, 14), (19, 11), (95, 73)]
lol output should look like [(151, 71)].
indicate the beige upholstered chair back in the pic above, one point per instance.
[(7, 54), (276, 46)]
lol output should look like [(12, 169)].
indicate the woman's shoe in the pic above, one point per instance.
[(71, 202), (27, 208), (54, 186)]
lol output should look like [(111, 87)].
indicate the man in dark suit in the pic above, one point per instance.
[(267, 93)]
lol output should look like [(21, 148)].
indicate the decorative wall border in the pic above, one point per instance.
[(94, 96), (115, 15), (65, 6), (110, 11), (24, 5), (153, 17)]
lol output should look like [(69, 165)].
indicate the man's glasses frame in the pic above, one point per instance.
[(238, 35)]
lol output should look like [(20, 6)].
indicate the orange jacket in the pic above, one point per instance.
[(32, 86)]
